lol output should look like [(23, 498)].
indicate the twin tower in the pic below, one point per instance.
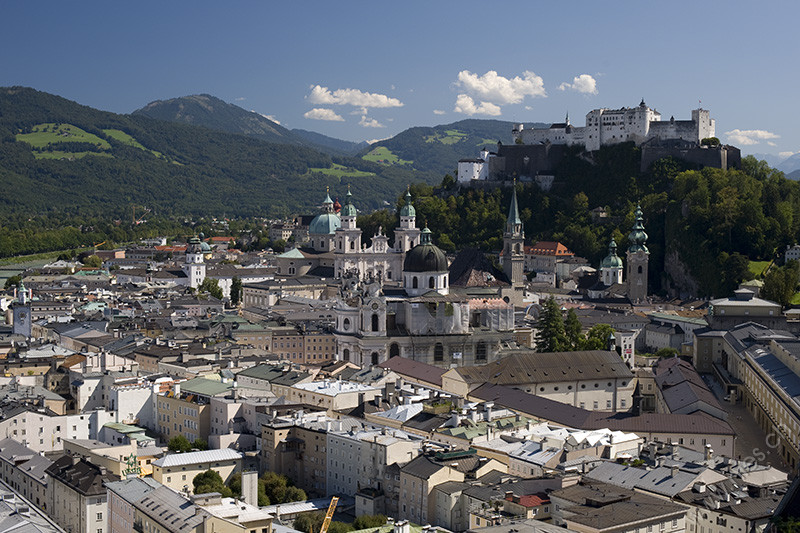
[(610, 268)]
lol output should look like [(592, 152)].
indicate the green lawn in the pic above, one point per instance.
[(381, 154), (488, 143), (449, 137), (123, 137), (341, 171), (47, 134), (57, 154), (757, 268)]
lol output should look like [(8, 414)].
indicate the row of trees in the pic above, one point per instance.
[(555, 334)]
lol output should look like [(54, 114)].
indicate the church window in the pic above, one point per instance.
[(480, 351), (640, 269), (374, 358), (431, 283), (438, 352), (415, 283), (352, 245), (375, 322), (346, 324), (346, 354), (394, 350)]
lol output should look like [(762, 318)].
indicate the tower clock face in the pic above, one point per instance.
[(375, 305), (23, 315)]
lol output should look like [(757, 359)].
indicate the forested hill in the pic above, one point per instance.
[(211, 112), (59, 156), (439, 148)]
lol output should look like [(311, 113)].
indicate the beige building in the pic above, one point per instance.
[(177, 470), (186, 409), (596, 380), (332, 395)]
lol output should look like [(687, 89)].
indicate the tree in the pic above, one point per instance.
[(309, 522), (93, 261), (179, 444), (550, 336), (236, 290), (572, 329), (597, 337), (211, 286), (780, 284), (200, 444), (369, 520), (665, 353), (710, 141), (13, 281), (278, 489), (211, 481)]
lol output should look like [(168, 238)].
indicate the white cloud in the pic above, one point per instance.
[(354, 97), (319, 113), (369, 122), (466, 105), (583, 84), (786, 155), (528, 108), (240, 99), (771, 143), (439, 112), (750, 137), (497, 89)]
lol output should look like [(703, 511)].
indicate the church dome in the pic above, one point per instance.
[(426, 256), (349, 210), (408, 209), (194, 246), (205, 247), (612, 260), (324, 224)]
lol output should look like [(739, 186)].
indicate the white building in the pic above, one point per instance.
[(43, 432), (611, 126)]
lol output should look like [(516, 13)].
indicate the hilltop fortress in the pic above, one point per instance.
[(611, 126), (537, 151)]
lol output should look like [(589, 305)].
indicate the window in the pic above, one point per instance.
[(99, 516), (480, 351), (375, 325), (430, 283), (415, 283), (438, 352)]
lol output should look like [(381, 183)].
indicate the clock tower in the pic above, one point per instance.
[(21, 310)]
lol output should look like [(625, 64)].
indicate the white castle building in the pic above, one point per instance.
[(611, 126)]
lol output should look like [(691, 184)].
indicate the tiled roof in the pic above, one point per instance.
[(414, 369)]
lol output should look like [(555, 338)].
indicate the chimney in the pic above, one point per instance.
[(176, 387), (708, 452), (250, 487), (674, 470)]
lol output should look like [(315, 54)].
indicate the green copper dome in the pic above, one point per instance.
[(327, 222), (349, 210), (637, 236), (408, 209), (612, 260)]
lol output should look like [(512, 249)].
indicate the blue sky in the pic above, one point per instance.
[(368, 70)]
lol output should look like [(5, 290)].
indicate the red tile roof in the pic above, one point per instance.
[(548, 248)]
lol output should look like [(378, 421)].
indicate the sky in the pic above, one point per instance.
[(369, 70)]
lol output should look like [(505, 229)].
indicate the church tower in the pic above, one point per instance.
[(407, 235), (638, 260), (514, 244), (21, 310), (195, 267), (348, 236), (611, 266)]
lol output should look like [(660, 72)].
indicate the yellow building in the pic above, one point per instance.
[(177, 470)]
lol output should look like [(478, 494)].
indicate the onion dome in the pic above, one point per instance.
[(194, 246), (349, 210), (637, 236), (426, 256), (205, 247), (612, 260), (327, 222), (408, 209)]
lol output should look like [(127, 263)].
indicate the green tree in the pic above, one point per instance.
[(710, 141), (211, 481), (179, 443), (369, 520), (211, 286), (200, 444), (572, 329), (236, 290), (278, 489), (93, 261), (13, 281), (666, 353), (309, 522), (598, 336), (235, 484), (550, 335), (780, 284)]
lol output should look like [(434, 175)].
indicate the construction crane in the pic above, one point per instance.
[(329, 515)]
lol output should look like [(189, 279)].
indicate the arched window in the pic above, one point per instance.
[(346, 354), (375, 322), (352, 245), (640, 269), (346, 324), (415, 283), (394, 350), (374, 358), (517, 248), (430, 282), (480, 351), (438, 352)]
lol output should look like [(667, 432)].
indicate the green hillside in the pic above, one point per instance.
[(59, 156), (437, 149)]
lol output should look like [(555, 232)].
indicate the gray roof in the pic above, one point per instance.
[(134, 489), (658, 481), (171, 510), (192, 458)]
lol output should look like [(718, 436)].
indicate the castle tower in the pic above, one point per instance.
[(514, 244), (348, 236), (21, 310), (611, 266), (194, 266), (407, 235), (638, 260)]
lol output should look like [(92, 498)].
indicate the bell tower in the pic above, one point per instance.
[(638, 260), (514, 244)]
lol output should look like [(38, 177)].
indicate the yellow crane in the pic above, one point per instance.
[(329, 515)]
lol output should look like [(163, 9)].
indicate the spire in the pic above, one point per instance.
[(513, 211), (408, 209), (22, 294), (566, 120), (637, 236), (327, 203), (425, 236), (349, 210)]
